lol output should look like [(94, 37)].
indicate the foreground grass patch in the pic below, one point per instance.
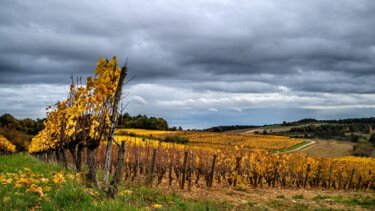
[(357, 200), (26, 183)]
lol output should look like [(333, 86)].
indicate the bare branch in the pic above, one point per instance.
[(129, 80), (118, 144)]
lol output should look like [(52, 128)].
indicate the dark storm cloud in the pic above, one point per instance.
[(293, 49), (169, 39)]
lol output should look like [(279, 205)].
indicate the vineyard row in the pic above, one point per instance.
[(257, 169)]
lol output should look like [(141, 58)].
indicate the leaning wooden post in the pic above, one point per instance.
[(291, 174), (330, 177), (184, 171), (307, 175), (351, 179), (212, 171), (152, 168), (340, 178), (114, 116), (113, 188), (359, 182)]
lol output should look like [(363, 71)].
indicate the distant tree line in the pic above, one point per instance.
[(19, 131), (226, 128), (330, 131), (143, 122), (368, 120)]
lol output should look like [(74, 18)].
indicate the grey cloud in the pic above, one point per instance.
[(205, 48)]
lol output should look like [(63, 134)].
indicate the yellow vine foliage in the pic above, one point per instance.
[(6, 146), (84, 114), (222, 140)]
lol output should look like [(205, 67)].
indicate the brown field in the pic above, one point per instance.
[(277, 198), (240, 131), (330, 148)]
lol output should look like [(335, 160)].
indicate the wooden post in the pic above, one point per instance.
[(244, 165), (307, 175), (114, 116), (330, 177), (171, 171), (189, 180), (219, 177), (193, 163), (184, 171), (138, 168), (291, 174), (340, 178), (275, 175), (166, 164), (212, 171), (351, 179), (359, 182), (317, 177), (113, 188), (152, 167), (237, 170)]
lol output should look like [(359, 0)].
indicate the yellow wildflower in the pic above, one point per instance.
[(43, 180), (156, 206), (5, 199), (71, 176), (47, 188)]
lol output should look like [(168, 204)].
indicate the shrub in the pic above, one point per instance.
[(176, 139)]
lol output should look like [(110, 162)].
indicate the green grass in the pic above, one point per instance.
[(298, 197), (358, 200), (320, 197), (293, 147), (77, 195), (277, 204)]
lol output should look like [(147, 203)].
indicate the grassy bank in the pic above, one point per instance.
[(26, 183)]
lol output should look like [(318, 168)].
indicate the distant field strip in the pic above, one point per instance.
[(220, 140)]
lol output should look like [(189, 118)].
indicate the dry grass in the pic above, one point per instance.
[(268, 198), (330, 148)]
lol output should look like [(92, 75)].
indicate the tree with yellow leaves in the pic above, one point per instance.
[(86, 118)]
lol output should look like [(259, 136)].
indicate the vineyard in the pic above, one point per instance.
[(81, 129), (219, 140), (241, 168)]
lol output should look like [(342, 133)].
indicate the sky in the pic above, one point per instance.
[(196, 63)]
